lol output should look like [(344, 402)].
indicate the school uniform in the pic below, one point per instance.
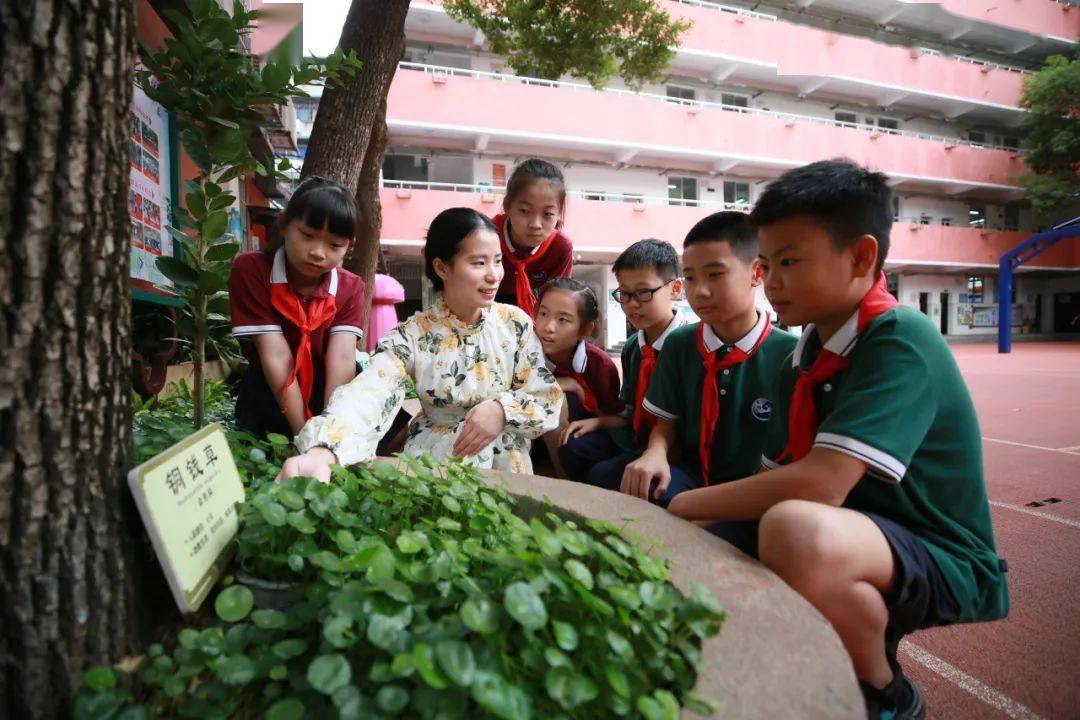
[(600, 457), (721, 397), (262, 302), (595, 371), (886, 390), (526, 271)]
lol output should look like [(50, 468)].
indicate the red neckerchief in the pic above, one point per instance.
[(522, 287), (320, 311), (710, 395), (803, 418), (644, 374)]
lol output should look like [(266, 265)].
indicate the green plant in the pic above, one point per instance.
[(423, 593), (1052, 129), (203, 77)]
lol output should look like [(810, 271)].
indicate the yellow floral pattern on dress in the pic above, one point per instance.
[(454, 367)]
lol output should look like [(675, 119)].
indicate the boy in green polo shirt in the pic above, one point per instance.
[(714, 387), (874, 506), (597, 450)]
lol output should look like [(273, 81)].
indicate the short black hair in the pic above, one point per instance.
[(652, 254), (847, 199), (324, 205), (730, 226), (588, 307), (445, 234)]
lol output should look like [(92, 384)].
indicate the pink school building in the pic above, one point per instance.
[(926, 92)]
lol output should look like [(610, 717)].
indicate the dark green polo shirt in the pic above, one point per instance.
[(747, 393), (901, 406)]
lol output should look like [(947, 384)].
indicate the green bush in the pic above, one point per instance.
[(423, 593)]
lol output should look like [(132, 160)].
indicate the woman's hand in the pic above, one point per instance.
[(579, 428), (314, 463), (482, 425)]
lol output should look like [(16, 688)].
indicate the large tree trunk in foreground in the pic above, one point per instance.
[(345, 145), (67, 526)]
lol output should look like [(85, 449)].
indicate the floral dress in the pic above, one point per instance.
[(455, 367)]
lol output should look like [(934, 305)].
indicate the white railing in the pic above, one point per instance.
[(437, 70), (594, 195), (728, 9)]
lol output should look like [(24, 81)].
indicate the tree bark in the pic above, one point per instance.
[(367, 251), (67, 525)]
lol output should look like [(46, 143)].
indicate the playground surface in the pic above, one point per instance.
[(1028, 665)]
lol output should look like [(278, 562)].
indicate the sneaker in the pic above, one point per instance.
[(899, 700)]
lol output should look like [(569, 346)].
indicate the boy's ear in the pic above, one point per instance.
[(757, 272), (676, 288), (864, 252)]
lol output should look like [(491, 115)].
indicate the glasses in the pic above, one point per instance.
[(641, 296)]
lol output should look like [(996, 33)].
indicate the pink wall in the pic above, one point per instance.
[(803, 50), (607, 227), (1041, 17), (481, 102)]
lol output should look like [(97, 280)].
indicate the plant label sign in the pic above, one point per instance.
[(187, 498)]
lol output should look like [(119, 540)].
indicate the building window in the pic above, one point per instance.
[(946, 221), (889, 125), (924, 219), (846, 118), (411, 168), (593, 194), (682, 191), (1010, 143), (975, 289), (1012, 217), (736, 193), (733, 100), (977, 215), (681, 95), (977, 138), (635, 198)]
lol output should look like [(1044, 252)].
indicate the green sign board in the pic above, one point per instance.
[(187, 497)]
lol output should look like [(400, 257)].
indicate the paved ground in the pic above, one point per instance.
[(1027, 666)]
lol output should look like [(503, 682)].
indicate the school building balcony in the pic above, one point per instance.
[(601, 229), (730, 45), (476, 112)]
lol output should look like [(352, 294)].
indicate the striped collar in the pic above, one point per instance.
[(842, 343), (579, 362), (279, 275), (746, 343), (676, 322)]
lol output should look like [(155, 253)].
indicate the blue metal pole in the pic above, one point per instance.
[(1005, 279)]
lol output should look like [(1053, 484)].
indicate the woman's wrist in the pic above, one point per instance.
[(323, 453)]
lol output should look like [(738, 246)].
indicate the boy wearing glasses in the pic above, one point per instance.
[(715, 385), (597, 450)]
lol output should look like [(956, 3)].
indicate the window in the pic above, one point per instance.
[(895, 208), (736, 193), (635, 198), (593, 194), (682, 191), (734, 100), (846, 117), (1012, 217), (681, 95), (889, 125), (977, 138), (924, 219), (946, 221), (405, 167), (1010, 143), (975, 289), (977, 215)]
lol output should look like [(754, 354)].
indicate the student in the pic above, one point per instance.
[(534, 250), (597, 450), (716, 380), (296, 313), (874, 507), (477, 366), (566, 317)]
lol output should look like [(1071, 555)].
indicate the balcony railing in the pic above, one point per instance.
[(729, 9), (438, 70)]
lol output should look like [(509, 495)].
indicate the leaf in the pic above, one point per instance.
[(480, 614), (617, 679), (525, 606), (327, 673), (234, 603), (345, 541), (327, 561), (338, 631), (412, 542), (214, 225), (235, 669), (273, 513), (456, 660), (177, 271), (566, 635), (425, 665), (268, 619), (618, 644), (699, 704), (392, 698), (288, 709), (288, 649), (383, 631), (99, 677), (210, 281), (568, 688), (301, 521), (222, 251), (499, 697), (577, 570)]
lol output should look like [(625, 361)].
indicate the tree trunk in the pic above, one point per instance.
[(67, 556), (367, 252)]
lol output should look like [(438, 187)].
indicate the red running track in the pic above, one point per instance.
[(1028, 665)]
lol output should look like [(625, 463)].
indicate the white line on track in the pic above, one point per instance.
[(1071, 448), (961, 679), (1065, 451), (1036, 513)]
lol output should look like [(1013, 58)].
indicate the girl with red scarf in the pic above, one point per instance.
[(296, 313), (534, 250)]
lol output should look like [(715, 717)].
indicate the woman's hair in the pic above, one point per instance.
[(323, 205), (445, 234), (588, 307), (534, 170)]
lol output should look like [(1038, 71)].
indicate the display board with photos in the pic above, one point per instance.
[(150, 191)]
